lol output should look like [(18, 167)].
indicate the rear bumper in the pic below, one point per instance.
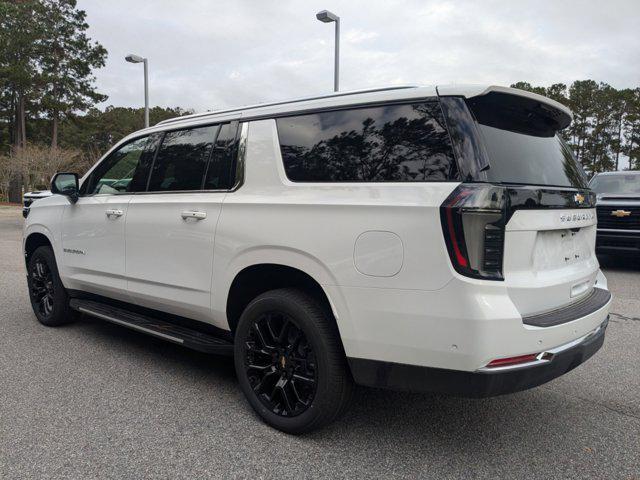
[(483, 382), (463, 326), (617, 242)]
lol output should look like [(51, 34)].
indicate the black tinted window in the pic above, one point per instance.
[(182, 159), (393, 143), (125, 170), (520, 136), (220, 170), (528, 159)]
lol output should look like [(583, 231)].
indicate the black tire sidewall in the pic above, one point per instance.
[(61, 312), (305, 315)]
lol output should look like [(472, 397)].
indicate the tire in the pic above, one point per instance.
[(275, 369), (48, 296)]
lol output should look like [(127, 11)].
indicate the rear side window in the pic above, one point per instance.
[(220, 171), (182, 159), (391, 143)]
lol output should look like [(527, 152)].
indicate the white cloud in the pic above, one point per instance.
[(359, 36)]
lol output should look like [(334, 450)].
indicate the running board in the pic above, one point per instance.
[(187, 337)]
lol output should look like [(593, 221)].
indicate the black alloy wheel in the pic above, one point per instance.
[(280, 364), (48, 296), (290, 362), (42, 287)]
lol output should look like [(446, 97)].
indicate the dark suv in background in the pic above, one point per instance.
[(618, 212)]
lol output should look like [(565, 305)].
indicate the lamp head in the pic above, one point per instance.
[(131, 58), (327, 17)]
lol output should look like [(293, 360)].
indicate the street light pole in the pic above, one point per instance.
[(131, 58), (327, 17), (146, 93), (336, 60)]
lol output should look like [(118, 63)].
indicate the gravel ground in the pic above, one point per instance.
[(93, 400)]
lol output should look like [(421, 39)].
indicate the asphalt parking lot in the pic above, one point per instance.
[(93, 400)]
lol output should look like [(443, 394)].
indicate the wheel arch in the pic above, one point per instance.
[(34, 240), (316, 273), (255, 279)]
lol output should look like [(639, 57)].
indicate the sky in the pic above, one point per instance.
[(211, 54)]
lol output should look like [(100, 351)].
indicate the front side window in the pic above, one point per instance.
[(182, 159), (391, 143), (124, 170)]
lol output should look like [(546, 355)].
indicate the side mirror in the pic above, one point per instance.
[(66, 184)]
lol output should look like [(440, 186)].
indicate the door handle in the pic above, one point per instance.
[(193, 214), (114, 212)]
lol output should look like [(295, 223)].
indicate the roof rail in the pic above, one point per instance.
[(273, 104)]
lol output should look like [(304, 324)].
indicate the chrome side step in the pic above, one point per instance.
[(187, 337)]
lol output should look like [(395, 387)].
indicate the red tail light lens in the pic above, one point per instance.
[(473, 219), (503, 362)]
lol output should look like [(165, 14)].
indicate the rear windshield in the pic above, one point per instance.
[(519, 158), (616, 184), (521, 140)]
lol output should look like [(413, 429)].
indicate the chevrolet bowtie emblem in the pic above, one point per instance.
[(620, 213), (579, 198)]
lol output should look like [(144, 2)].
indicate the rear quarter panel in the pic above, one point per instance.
[(314, 227)]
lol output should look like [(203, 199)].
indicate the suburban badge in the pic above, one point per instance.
[(74, 251)]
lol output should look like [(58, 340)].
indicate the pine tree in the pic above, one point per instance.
[(581, 101), (20, 31), (529, 88), (618, 105), (631, 129), (68, 60), (19, 72), (558, 92)]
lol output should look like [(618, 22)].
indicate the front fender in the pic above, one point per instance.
[(42, 230), (46, 219)]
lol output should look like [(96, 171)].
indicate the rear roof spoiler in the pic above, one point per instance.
[(562, 114)]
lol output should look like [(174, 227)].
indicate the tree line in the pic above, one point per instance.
[(49, 122)]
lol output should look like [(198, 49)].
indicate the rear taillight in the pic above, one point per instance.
[(473, 219)]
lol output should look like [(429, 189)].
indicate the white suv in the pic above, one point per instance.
[(421, 238)]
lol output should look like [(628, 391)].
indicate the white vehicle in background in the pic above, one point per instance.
[(419, 238), (30, 197)]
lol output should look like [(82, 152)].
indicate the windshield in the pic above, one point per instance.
[(616, 184)]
